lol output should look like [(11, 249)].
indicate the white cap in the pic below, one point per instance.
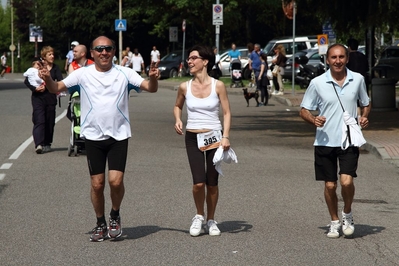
[(74, 43)]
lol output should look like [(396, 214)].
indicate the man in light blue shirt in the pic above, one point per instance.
[(330, 94)]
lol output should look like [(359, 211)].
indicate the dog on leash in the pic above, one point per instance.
[(250, 95)]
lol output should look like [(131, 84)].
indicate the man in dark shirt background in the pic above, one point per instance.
[(357, 60)]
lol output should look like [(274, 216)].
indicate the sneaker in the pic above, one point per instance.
[(334, 229), (280, 93), (348, 227), (46, 148), (196, 225), (212, 227), (39, 149), (114, 228), (274, 92), (99, 233)]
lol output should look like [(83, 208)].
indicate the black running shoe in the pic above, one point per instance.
[(114, 228), (99, 233)]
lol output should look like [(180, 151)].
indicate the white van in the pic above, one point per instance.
[(301, 43)]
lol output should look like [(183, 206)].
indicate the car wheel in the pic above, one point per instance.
[(247, 73), (173, 73)]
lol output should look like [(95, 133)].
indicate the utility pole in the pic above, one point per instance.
[(120, 33)]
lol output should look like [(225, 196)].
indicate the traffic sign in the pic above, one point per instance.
[(173, 37), (120, 25), (217, 10), (322, 39)]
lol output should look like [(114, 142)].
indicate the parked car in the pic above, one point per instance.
[(390, 57), (301, 43), (169, 65), (225, 62), (314, 60)]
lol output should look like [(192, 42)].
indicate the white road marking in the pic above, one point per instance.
[(6, 166), (27, 142), (2, 176)]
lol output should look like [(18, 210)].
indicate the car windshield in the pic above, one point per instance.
[(268, 47)]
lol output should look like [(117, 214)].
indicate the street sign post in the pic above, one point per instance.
[(217, 10), (120, 25), (322, 43)]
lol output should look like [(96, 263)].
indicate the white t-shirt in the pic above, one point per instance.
[(137, 60), (33, 76), (104, 98), (3, 60), (154, 55)]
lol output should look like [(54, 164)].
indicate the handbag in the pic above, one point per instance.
[(275, 70)]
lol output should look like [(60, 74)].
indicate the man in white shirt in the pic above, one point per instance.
[(138, 62), (105, 125), (155, 56)]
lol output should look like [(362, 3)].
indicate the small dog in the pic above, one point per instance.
[(249, 95)]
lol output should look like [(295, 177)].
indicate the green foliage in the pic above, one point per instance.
[(148, 21)]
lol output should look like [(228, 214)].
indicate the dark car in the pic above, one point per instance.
[(170, 64), (314, 60), (389, 58)]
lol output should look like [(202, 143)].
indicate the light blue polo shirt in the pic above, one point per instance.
[(320, 96)]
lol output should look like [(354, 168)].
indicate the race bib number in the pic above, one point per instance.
[(209, 140)]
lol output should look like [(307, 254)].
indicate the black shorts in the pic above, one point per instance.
[(328, 158), (99, 151), (201, 163)]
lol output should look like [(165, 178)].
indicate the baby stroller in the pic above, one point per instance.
[(236, 74), (76, 144)]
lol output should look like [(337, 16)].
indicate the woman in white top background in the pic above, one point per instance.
[(203, 96)]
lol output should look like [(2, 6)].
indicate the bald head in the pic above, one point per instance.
[(79, 52)]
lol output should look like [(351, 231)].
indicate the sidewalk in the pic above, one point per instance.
[(382, 135)]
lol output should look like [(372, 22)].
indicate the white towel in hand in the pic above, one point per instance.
[(223, 156), (356, 135)]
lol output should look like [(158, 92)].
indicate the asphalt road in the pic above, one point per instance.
[(270, 211)]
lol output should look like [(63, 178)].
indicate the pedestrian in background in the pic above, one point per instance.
[(69, 56), (138, 62), (216, 71), (79, 58), (155, 56), (3, 61), (203, 96), (331, 94), (278, 64), (263, 81), (106, 127), (43, 104), (125, 59), (254, 64)]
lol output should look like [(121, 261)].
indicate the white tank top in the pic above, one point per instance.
[(203, 113)]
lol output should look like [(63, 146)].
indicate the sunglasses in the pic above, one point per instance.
[(101, 48), (193, 58)]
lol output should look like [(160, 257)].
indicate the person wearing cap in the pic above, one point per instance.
[(69, 56)]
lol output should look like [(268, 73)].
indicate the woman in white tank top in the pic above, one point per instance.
[(203, 96)]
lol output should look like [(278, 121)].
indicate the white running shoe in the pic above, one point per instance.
[(212, 227), (334, 229), (280, 93), (348, 227), (196, 225)]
